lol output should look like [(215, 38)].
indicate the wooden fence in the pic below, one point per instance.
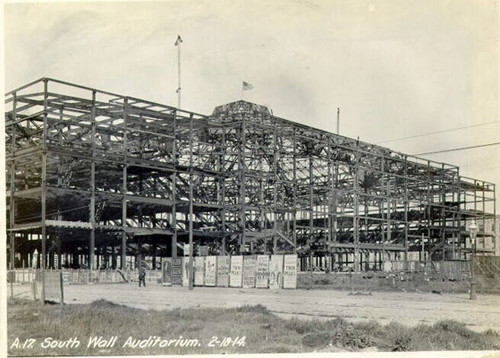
[(249, 271)]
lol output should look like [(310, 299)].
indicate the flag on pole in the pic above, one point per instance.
[(178, 41), (246, 86)]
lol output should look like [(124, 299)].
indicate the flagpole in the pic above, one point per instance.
[(245, 86), (178, 44), (179, 76), (338, 120)]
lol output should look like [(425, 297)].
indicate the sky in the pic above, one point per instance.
[(396, 69)]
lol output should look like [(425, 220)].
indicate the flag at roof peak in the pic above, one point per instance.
[(246, 86)]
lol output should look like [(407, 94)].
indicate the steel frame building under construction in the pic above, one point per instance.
[(95, 178)]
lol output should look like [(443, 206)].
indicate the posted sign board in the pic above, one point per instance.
[(210, 270), (249, 267), (276, 271), (167, 271), (202, 250), (262, 275), (236, 273), (290, 271), (177, 271), (185, 271), (223, 264), (52, 286), (199, 271)]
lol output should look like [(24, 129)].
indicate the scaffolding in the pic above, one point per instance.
[(94, 178)]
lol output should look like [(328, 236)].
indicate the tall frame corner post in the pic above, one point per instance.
[(44, 174), (12, 244), (12, 174)]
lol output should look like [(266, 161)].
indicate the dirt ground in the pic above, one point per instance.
[(405, 308)]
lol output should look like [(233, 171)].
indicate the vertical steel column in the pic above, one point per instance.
[(223, 198), (442, 190), (384, 211), (495, 239), (242, 183), (475, 214), (262, 208), (483, 214), (191, 199), (123, 258), (335, 187), (334, 204), (389, 210), (429, 210), (12, 206), (12, 217), (295, 188), (44, 174), (311, 201), (356, 209), (459, 213), (275, 189), (330, 192), (92, 185), (174, 187), (406, 206), (455, 215), (59, 183)]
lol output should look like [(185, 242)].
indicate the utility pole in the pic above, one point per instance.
[(338, 120), (178, 43)]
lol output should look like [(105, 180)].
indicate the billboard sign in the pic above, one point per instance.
[(249, 268), (185, 271), (210, 270), (199, 271), (290, 271), (236, 273), (177, 271), (223, 264), (262, 275), (167, 271), (276, 271)]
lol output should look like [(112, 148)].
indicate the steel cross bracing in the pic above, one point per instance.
[(94, 178)]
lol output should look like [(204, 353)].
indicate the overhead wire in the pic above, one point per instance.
[(437, 132), (460, 148)]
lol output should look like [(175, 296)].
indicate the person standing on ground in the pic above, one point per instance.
[(142, 276)]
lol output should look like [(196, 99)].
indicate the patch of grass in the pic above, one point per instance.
[(444, 335), (211, 329), (388, 282), (253, 309)]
